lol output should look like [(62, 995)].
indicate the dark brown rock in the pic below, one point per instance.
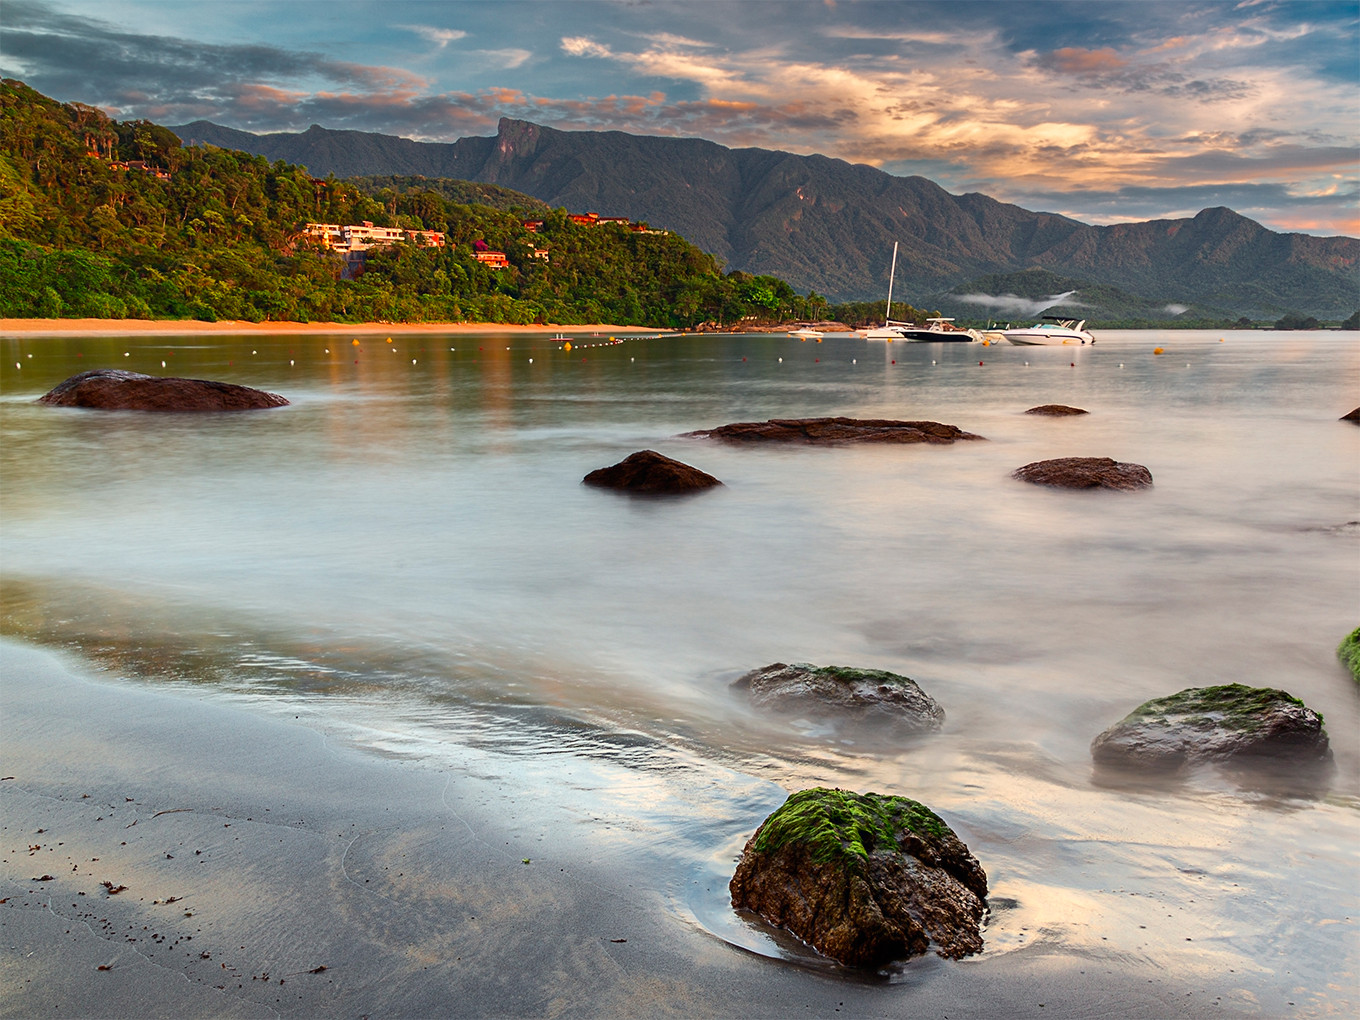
[(651, 472), (1085, 473), (835, 431), (1352, 416), (1056, 410), (112, 389), (863, 878), (1230, 721), (872, 696)]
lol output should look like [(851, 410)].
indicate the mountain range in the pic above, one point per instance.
[(827, 225)]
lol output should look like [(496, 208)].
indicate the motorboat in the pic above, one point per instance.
[(1054, 330), (806, 334), (940, 330), (889, 331)]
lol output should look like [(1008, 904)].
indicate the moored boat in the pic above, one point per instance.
[(1053, 331), (940, 330)]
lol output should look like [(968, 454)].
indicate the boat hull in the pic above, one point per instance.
[(1025, 338)]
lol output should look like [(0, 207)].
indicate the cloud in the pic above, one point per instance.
[(1075, 60), (441, 37), (1011, 304), (580, 46)]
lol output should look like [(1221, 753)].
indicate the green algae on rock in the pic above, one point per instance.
[(865, 879), (1229, 721), (873, 696), (1349, 653)]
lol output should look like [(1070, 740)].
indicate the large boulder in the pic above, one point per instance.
[(1085, 473), (872, 696), (835, 431), (112, 389), (1349, 653), (1056, 410), (651, 472), (863, 878), (1230, 722)]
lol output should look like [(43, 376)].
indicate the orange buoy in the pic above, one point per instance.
[(1158, 350)]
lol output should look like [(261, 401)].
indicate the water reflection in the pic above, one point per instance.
[(406, 554)]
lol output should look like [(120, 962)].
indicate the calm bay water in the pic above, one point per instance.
[(406, 554)]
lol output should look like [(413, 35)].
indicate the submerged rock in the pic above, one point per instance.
[(865, 695), (112, 389), (1231, 721), (1349, 653), (863, 878), (1056, 410), (649, 471), (835, 431), (1352, 416), (1085, 473)]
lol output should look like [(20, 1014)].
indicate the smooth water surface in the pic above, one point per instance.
[(407, 552)]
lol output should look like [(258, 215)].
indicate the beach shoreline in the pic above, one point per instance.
[(178, 853), (182, 327)]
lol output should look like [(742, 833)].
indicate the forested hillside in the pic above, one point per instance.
[(108, 219), (829, 225)]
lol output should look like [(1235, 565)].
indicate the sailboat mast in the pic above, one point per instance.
[(887, 312)]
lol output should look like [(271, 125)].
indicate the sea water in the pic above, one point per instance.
[(406, 554)]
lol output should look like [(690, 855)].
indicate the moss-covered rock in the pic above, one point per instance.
[(1349, 653), (1214, 723), (866, 696), (864, 878)]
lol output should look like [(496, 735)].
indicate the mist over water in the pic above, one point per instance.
[(407, 552)]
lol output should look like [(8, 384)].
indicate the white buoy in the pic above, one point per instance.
[(413, 361), (854, 361), (531, 361), (291, 362), (254, 352), (18, 366), (934, 362), (162, 364), (127, 354), (328, 350), (30, 355), (781, 361)]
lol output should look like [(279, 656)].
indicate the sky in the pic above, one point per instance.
[(1102, 110)]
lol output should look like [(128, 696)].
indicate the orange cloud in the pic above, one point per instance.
[(1075, 60)]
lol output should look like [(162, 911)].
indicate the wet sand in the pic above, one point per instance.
[(179, 855), (193, 327)]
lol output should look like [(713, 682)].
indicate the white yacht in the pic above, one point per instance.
[(890, 330), (1053, 331)]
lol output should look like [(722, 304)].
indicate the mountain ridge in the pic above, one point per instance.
[(827, 225)]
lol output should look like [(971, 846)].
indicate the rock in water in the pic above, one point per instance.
[(1349, 653), (1231, 721), (1352, 416), (835, 431), (863, 878), (649, 471), (1056, 410), (866, 695), (1085, 473), (112, 389)]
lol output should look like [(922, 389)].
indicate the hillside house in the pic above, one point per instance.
[(492, 259)]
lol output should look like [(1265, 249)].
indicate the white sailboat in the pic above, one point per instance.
[(890, 330)]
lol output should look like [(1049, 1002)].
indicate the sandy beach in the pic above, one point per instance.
[(172, 855), (193, 327)]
